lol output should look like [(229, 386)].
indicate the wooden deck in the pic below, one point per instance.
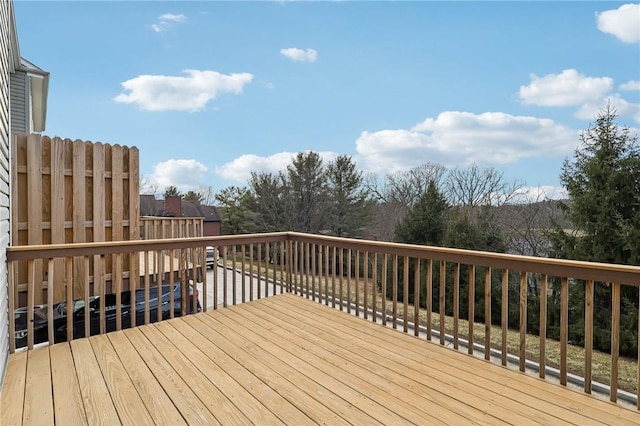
[(279, 360)]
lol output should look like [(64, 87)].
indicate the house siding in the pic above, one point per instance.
[(5, 51), (19, 102)]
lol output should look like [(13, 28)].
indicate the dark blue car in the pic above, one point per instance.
[(79, 312)]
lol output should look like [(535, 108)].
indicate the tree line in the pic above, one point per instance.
[(338, 199), (472, 208)]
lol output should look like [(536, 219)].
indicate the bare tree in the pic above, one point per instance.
[(148, 186), (397, 194), (208, 196), (526, 223), (405, 188), (473, 186)]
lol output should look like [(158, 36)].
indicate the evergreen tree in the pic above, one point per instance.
[(479, 233), (306, 183), (349, 210), (603, 182), (270, 201), (426, 222), (309, 197), (171, 191), (193, 196), (236, 210)]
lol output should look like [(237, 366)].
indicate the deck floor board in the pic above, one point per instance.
[(535, 389), (502, 402), (279, 360), (69, 408)]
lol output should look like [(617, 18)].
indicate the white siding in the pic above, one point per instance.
[(5, 49), (19, 110)]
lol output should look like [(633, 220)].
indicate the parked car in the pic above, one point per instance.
[(211, 260), (60, 313)]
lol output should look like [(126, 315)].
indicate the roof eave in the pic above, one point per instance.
[(39, 90), (14, 57), (39, 93)]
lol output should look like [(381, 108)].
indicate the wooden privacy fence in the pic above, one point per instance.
[(66, 191)]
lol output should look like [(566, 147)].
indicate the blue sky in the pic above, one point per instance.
[(209, 91)]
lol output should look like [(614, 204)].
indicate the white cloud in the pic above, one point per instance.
[(623, 22), (590, 110), (240, 169), (530, 194), (630, 85), (184, 174), (300, 55), (565, 89), (167, 20), (173, 17), (459, 138), (191, 92)]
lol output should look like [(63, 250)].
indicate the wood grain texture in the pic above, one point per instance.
[(63, 191), (523, 321), (487, 315), (564, 328), (38, 400), (156, 401), (126, 400), (12, 396), (58, 200), (588, 334), (505, 315), (442, 299), (211, 396), (96, 399), (177, 388), (34, 196), (79, 201), (282, 360), (615, 340), (66, 387), (471, 301), (543, 325)]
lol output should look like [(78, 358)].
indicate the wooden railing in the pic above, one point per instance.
[(159, 262), (372, 280), (375, 280), (155, 227)]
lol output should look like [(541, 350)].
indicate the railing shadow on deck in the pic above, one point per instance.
[(375, 280)]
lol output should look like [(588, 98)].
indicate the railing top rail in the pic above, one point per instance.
[(28, 252), (604, 272), (171, 218)]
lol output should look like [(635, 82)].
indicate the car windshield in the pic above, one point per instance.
[(77, 305)]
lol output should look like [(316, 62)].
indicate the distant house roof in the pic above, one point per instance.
[(195, 209), (177, 207), (149, 206)]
